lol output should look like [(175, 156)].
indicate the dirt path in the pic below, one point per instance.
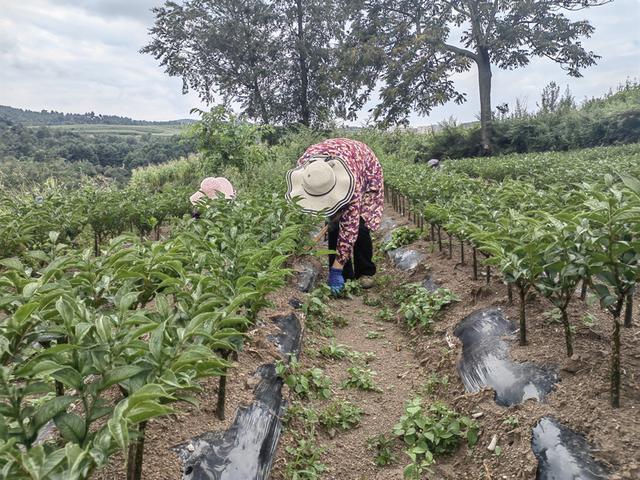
[(408, 362)]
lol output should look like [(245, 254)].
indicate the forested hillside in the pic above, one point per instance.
[(44, 117)]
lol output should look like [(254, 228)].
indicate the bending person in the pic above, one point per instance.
[(342, 178)]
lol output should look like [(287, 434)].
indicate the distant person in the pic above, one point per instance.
[(212, 188), (342, 179), (434, 163)]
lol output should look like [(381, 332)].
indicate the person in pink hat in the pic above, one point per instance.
[(213, 187)]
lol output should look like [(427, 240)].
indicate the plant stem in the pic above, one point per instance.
[(567, 331), (461, 250), (628, 312), (135, 455), (439, 239), (510, 294), (583, 290), (523, 319), (488, 274), (475, 263), (450, 246), (615, 362), (222, 391)]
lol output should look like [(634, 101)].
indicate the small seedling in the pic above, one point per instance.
[(361, 378), (421, 307), (335, 351), (434, 381), (511, 421), (372, 335), (342, 415), (589, 320), (385, 314), (339, 321), (304, 463), (400, 237), (382, 446), (304, 382), (371, 301)]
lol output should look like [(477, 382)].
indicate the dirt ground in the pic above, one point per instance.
[(404, 360)]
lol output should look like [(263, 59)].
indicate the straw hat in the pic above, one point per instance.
[(210, 187), (322, 184)]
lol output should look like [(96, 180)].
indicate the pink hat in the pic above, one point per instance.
[(210, 187)]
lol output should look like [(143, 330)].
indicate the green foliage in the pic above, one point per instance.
[(361, 378), (382, 445), (335, 352), (433, 431), (372, 335), (304, 459), (340, 414), (422, 306), (304, 383), (385, 314), (434, 382), (400, 237)]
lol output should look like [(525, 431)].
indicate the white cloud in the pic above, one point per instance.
[(82, 55)]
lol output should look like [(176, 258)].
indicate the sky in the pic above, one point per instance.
[(83, 55)]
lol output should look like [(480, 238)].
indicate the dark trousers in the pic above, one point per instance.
[(362, 261)]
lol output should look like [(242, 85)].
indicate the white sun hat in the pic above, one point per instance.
[(322, 184)]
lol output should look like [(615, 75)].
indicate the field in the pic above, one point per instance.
[(127, 327), (122, 130)]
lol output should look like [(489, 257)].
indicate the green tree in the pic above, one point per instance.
[(408, 47), (277, 59)]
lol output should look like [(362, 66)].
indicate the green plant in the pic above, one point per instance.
[(339, 321), (334, 351), (385, 314), (371, 335), (589, 320), (340, 414), (383, 449), (421, 308), (400, 237), (511, 421), (304, 459), (429, 432), (361, 378), (434, 381), (304, 383), (371, 300)]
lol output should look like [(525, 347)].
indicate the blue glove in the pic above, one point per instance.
[(336, 280)]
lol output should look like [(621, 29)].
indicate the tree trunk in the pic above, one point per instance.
[(439, 239), (135, 456), (583, 290), (628, 312), (461, 250), (615, 362), (305, 114), (523, 318), (567, 331), (484, 79), (475, 263)]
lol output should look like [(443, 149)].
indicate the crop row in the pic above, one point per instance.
[(544, 239), (98, 345)]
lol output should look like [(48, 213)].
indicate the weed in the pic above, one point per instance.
[(511, 421), (400, 237), (371, 301), (304, 463), (382, 447), (335, 351), (361, 378), (352, 288), (304, 382), (342, 415), (385, 314), (433, 382), (553, 316), (339, 321), (589, 320), (421, 307), (428, 432), (372, 335), (307, 416)]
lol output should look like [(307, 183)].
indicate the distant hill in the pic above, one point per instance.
[(51, 117)]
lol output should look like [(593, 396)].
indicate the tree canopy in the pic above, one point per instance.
[(278, 60), (415, 46)]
